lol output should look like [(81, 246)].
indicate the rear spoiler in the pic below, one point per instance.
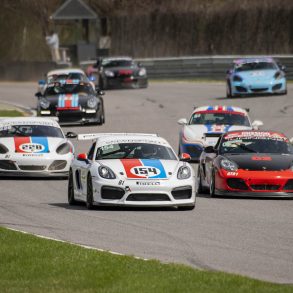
[(91, 136)]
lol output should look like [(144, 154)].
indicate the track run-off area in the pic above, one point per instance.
[(251, 237)]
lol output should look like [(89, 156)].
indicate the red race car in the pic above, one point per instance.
[(248, 163)]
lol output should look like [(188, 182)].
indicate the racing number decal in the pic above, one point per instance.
[(145, 171), (142, 169)]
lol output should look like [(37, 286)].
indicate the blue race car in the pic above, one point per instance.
[(251, 76)]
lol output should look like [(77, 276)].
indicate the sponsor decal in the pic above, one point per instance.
[(68, 102), (148, 183), (257, 158), (256, 135), (142, 169), (31, 144), (232, 173)]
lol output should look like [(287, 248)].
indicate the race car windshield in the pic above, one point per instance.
[(255, 145), (59, 88), (256, 66), (117, 63), (31, 130), (135, 151), (209, 118), (70, 76)]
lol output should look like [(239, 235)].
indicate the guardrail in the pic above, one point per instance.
[(202, 67), (199, 67)]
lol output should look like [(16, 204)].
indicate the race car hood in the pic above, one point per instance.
[(262, 75), (31, 144), (197, 132), (69, 101), (142, 168), (263, 162)]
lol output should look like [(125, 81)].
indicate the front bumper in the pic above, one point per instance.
[(254, 183), (152, 193), (127, 82), (36, 165), (259, 87), (69, 117)]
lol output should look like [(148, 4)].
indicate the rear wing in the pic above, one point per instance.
[(91, 136)]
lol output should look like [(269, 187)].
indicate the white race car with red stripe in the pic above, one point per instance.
[(131, 169), (206, 125), (34, 146)]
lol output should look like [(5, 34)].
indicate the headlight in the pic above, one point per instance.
[(92, 102), (64, 148), (228, 165), (3, 149), (109, 73), (278, 75), (142, 72), (183, 172), (106, 172), (237, 78), (44, 103)]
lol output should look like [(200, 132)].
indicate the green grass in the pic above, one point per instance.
[(10, 113), (32, 264)]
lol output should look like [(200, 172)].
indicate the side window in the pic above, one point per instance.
[(90, 154)]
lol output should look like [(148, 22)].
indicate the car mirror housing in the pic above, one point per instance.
[(209, 149), (82, 157), (71, 135), (182, 121), (41, 82), (38, 95), (256, 124), (184, 157)]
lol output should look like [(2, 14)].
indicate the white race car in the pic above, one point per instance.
[(34, 146), (206, 125), (131, 169)]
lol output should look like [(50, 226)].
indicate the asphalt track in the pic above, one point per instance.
[(252, 237)]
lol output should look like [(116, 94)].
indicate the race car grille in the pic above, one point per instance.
[(31, 167), (109, 192), (265, 187), (183, 192), (259, 90), (241, 89), (277, 87), (148, 197), (289, 185), (7, 165), (58, 165), (236, 183)]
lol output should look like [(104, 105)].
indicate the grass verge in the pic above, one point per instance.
[(32, 264), (10, 113)]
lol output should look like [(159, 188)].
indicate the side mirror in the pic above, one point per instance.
[(291, 140), (101, 93), (228, 71), (139, 64), (209, 149), (182, 121), (71, 135), (256, 124), (82, 158), (41, 82), (38, 94), (184, 157), (283, 68)]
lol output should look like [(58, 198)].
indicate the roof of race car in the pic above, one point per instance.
[(118, 58), (30, 121), (220, 109), (65, 71), (251, 60), (111, 138)]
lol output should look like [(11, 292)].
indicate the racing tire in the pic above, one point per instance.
[(71, 199), (186, 208), (212, 185), (228, 91), (89, 193), (200, 188)]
